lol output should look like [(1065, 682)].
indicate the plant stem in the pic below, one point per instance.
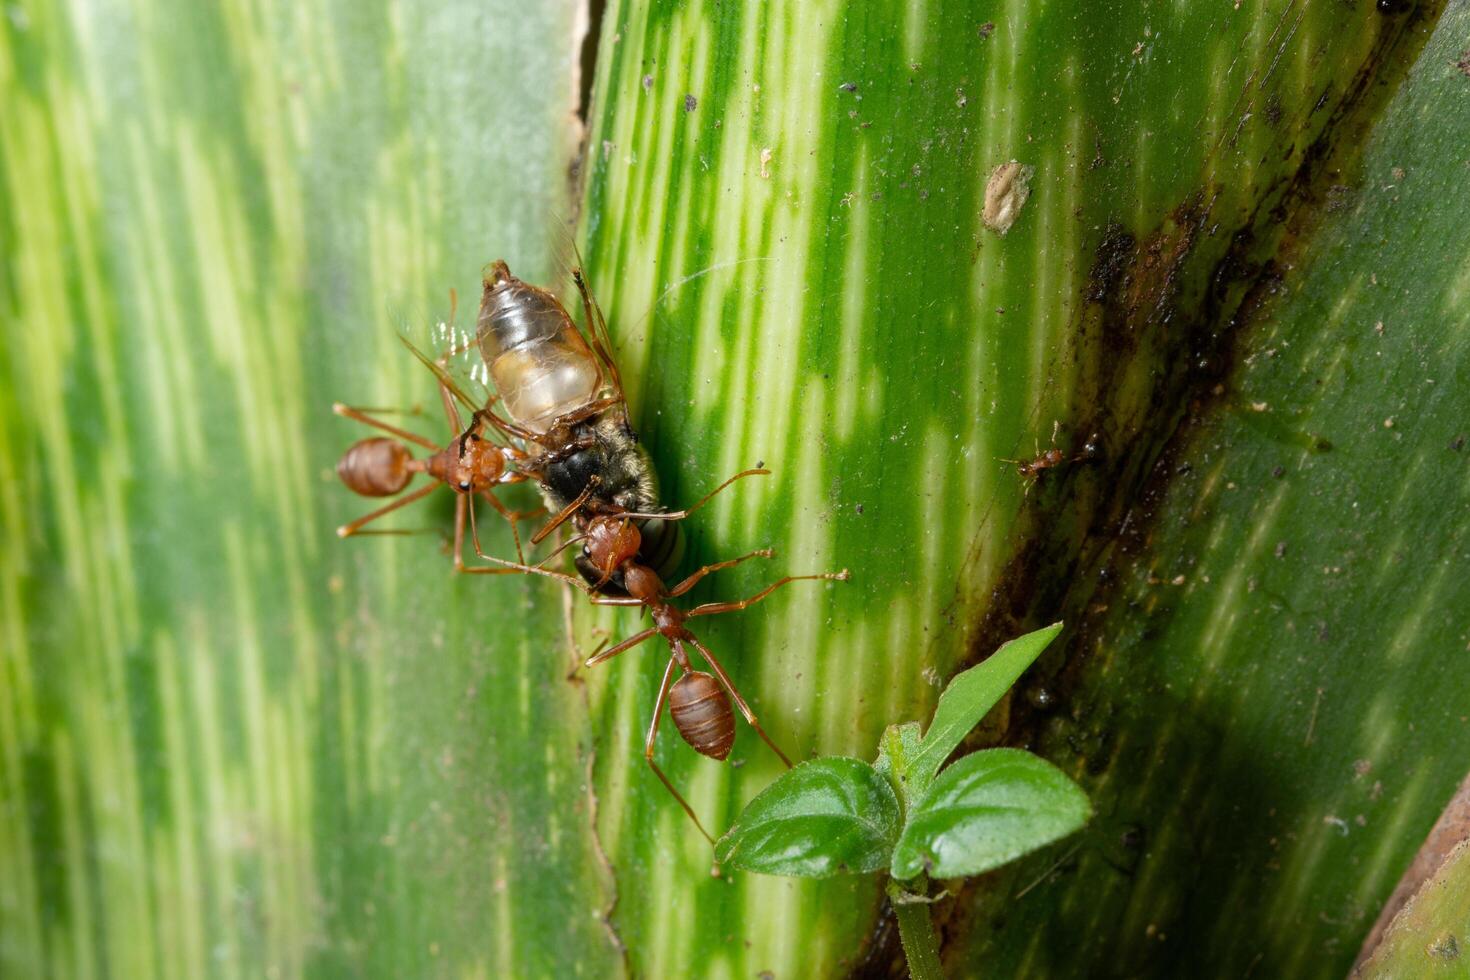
[(917, 933)]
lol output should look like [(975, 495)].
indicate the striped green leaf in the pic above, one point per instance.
[(231, 744), (1428, 936), (1270, 701), (788, 203)]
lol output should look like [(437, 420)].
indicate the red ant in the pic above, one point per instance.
[(697, 702), (1031, 469), (471, 464)]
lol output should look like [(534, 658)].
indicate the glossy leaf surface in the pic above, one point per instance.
[(966, 700), (825, 817), (232, 745), (986, 810), (1270, 702), (786, 203)]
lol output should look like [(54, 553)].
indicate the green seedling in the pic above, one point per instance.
[(910, 816)]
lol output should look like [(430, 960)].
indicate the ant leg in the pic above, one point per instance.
[(712, 608), (451, 411), (461, 504), (454, 350), (361, 415), (503, 567), (506, 567), (586, 412), (658, 710), (566, 512), (441, 374), (690, 582), (510, 516), (514, 517), (574, 539), (397, 532), (347, 530), (597, 327), (507, 428), (622, 647), (709, 658), (679, 515)]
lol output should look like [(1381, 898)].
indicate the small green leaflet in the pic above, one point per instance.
[(966, 700), (986, 810), (825, 817)]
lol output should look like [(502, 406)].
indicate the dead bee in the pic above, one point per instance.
[(563, 396)]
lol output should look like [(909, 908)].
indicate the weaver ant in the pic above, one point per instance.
[(472, 465), (1030, 470), (697, 702)]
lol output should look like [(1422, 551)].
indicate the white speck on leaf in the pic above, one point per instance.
[(1005, 194)]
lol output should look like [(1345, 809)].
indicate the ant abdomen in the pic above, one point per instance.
[(701, 712), (376, 467)]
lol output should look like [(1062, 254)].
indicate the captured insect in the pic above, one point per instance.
[(564, 397), (563, 401)]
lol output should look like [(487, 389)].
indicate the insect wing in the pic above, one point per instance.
[(447, 348)]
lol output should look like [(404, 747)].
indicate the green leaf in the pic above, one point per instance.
[(1430, 935), (968, 697), (895, 748), (986, 810), (234, 745), (825, 817), (1271, 707), (800, 274)]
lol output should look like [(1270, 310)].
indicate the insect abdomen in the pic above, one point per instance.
[(540, 364), (701, 712), (376, 467)]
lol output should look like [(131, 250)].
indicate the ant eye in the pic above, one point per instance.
[(464, 484)]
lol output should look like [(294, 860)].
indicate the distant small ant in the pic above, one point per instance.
[(1030, 469)]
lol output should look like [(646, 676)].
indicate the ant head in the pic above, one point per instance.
[(611, 542)]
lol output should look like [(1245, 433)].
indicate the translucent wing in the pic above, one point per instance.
[(446, 347)]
